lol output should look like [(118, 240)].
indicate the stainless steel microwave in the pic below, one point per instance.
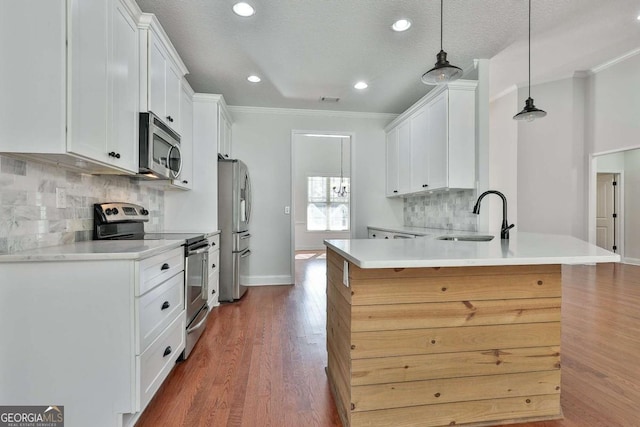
[(159, 148)]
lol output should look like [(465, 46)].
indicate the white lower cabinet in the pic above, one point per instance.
[(214, 271), (96, 336)]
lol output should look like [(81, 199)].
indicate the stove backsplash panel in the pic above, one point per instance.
[(29, 217)]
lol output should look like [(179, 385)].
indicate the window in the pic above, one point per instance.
[(327, 210)]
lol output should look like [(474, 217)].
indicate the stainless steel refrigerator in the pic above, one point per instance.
[(234, 214)]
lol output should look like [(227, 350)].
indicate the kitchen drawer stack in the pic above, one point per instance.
[(214, 271), (160, 332)]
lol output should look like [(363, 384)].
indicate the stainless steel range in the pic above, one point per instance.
[(118, 221)]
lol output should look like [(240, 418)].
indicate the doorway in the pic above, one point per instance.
[(322, 207), (607, 211)]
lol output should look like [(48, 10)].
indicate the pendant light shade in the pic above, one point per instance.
[(530, 112), (443, 71)]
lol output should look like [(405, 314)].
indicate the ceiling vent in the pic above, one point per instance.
[(328, 99)]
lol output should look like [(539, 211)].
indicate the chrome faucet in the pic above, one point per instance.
[(504, 229)]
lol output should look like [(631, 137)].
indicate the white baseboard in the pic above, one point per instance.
[(267, 280), (632, 261), (310, 248)]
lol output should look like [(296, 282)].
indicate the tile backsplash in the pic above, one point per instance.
[(30, 219), (449, 210)]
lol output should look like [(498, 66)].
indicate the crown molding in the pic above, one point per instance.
[(305, 112), (614, 61)]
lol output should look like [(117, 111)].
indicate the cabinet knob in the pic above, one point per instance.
[(167, 351), (213, 291), (425, 185), (373, 235), (386, 237), (114, 154), (165, 266), (165, 305), (226, 155), (213, 266), (395, 191), (185, 181), (170, 119)]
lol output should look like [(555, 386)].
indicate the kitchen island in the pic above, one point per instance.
[(433, 332)]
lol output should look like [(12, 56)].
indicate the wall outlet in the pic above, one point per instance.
[(287, 210), (61, 198)]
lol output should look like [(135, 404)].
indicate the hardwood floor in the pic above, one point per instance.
[(261, 360)]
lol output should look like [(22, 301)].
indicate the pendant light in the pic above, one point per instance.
[(341, 190), (530, 112), (442, 72)]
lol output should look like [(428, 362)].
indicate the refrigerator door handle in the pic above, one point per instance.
[(245, 253), (245, 236)]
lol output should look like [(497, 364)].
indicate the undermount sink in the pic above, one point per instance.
[(467, 237)]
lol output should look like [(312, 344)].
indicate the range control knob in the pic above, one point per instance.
[(114, 211), (108, 211), (143, 211)]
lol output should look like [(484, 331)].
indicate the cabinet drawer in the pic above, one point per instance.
[(214, 289), (215, 242), (157, 309), (214, 261), (159, 268), (157, 361)]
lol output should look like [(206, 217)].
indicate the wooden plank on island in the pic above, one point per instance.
[(450, 314), (452, 340), (431, 392), (454, 288), (356, 272), (431, 366), (541, 407)]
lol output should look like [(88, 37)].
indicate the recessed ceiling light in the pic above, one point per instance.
[(401, 25), (254, 79), (243, 9), (638, 18), (361, 85)]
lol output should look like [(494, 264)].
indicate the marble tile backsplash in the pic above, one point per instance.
[(29, 217), (449, 210)]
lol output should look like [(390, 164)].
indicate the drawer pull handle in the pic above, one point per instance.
[(167, 351), (165, 305), (165, 266)]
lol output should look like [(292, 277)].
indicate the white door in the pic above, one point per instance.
[(606, 211)]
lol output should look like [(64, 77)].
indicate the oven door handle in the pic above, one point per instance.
[(199, 250), (205, 278), (204, 319)]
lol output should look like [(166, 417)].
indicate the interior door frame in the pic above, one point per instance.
[(352, 184), (593, 177), (618, 207)]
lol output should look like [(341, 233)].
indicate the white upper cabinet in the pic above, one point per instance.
[(185, 181), (162, 70), (393, 186), (76, 75), (436, 142), (224, 131)]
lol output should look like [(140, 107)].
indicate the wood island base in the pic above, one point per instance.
[(443, 346)]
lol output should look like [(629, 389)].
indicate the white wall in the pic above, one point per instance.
[(615, 106), (316, 156), (503, 159), (262, 139), (552, 166), (632, 206)]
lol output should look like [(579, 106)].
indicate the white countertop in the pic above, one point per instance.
[(94, 250), (521, 249)]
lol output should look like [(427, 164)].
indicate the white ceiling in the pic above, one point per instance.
[(306, 49)]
